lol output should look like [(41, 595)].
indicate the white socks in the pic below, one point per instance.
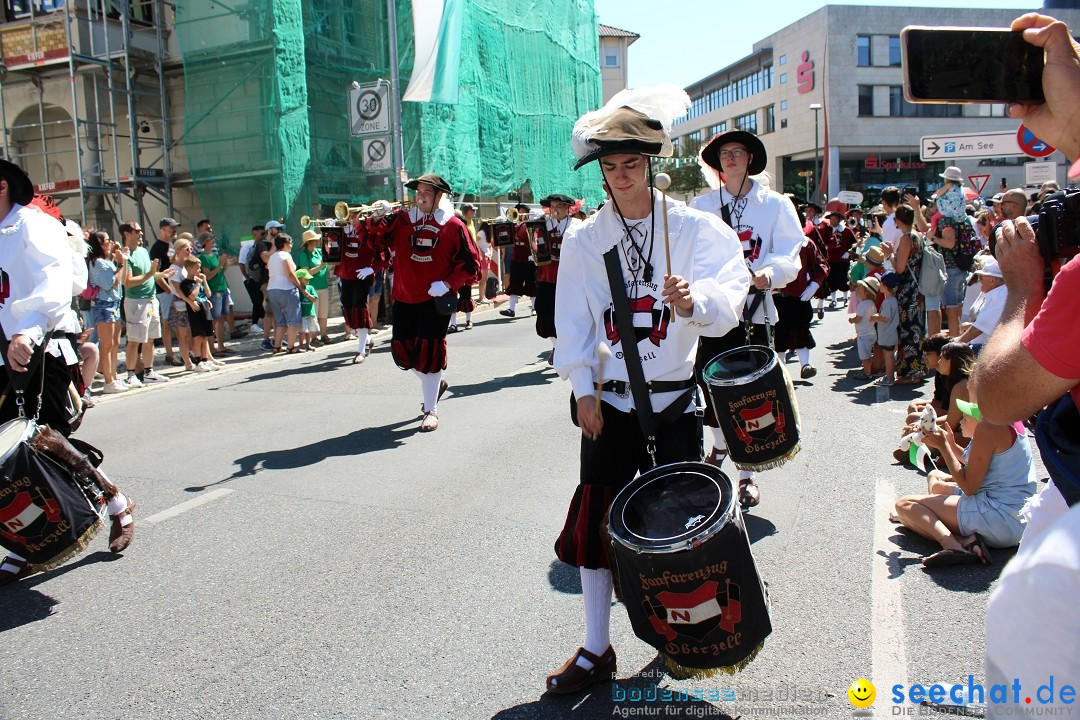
[(453, 321), (513, 303), (468, 319), (117, 505), (429, 383), (596, 589), (804, 356), (718, 440), (361, 340)]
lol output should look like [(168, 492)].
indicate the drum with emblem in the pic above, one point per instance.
[(501, 234), (46, 516), (755, 406), (685, 571), (333, 240)]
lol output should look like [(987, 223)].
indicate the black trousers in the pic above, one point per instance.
[(254, 291)]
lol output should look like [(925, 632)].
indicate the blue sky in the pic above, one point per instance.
[(684, 40)]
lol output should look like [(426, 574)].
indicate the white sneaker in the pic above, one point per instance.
[(256, 328), (152, 376), (201, 368), (212, 365), (133, 381), (114, 387)]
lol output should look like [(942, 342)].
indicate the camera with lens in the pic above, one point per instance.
[(1058, 231)]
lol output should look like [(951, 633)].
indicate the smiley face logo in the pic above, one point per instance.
[(862, 693)]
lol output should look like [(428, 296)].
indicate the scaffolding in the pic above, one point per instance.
[(84, 104)]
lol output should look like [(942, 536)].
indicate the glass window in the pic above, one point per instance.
[(894, 51), (747, 122), (770, 119), (783, 78), (783, 123), (782, 60), (611, 58), (783, 104), (862, 45), (866, 100)]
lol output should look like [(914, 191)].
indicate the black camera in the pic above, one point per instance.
[(909, 190), (1058, 231)]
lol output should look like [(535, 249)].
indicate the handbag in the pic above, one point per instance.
[(446, 304), (90, 293), (491, 288)]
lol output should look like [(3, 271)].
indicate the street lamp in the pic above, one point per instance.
[(817, 178)]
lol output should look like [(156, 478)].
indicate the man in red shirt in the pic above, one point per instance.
[(433, 258)]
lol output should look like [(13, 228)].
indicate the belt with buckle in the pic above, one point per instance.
[(622, 388)]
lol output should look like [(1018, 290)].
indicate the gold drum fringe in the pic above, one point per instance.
[(72, 550)]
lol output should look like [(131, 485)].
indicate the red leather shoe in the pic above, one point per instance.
[(572, 678)]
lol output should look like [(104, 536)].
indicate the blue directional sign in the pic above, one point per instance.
[(1032, 145)]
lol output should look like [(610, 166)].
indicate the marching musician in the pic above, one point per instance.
[(35, 300), (703, 289), (771, 237), (433, 257), (466, 304), (557, 223), (360, 260), (522, 267)]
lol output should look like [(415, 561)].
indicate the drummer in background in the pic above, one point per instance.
[(771, 236), (704, 289), (558, 222), (36, 283)]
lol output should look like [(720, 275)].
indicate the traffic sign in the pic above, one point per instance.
[(1032, 145), (806, 173), (369, 111), (948, 147), (978, 182), (376, 152), (1036, 173)]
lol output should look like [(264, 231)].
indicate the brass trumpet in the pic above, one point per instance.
[(512, 215), (307, 221), (343, 209)]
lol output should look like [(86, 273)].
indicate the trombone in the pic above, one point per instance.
[(379, 207)]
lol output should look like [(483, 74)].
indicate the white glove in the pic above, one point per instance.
[(364, 273), (809, 291), (438, 289), (846, 256)]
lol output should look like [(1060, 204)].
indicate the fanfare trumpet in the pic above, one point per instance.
[(307, 221), (379, 207)]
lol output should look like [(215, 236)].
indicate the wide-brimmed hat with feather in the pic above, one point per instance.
[(633, 121)]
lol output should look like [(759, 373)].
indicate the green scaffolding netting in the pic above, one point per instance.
[(266, 118)]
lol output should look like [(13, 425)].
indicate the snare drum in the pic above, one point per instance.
[(333, 240), (685, 570), (501, 234), (45, 515), (537, 233), (755, 406)]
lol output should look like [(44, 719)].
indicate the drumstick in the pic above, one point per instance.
[(662, 181), (603, 352)]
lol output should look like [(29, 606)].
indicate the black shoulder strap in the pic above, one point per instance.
[(625, 325), (725, 213)]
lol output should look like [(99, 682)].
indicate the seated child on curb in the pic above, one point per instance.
[(309, 322), (887, 321), (865, 334), (977, 504)]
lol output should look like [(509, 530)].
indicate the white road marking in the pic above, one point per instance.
[(888, 655), (187, 505)]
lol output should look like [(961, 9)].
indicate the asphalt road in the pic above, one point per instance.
[(303, 552)]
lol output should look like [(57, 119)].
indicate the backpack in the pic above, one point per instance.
[(932, 275), (256, 266)]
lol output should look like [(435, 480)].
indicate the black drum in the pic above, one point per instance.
[(755, 406), (686, 573), (45, 515), (536, 230)]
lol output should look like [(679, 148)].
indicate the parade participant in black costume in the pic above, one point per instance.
[(557, 223)]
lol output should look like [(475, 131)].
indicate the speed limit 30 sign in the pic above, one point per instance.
[(369, 111)]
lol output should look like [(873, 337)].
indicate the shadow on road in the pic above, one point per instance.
[(758, 527), (564, 578), (545, 376), (623, 698), (358, 442), (960, 578), (23, 604)]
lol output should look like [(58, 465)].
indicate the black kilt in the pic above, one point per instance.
[(792, 330), (522, 279)]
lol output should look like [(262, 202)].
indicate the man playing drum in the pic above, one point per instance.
[(704, 288), (771, 237), (35, 296)]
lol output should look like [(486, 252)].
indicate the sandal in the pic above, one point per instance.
[(749, 493), (430, 423), (572, 678), (947, 558), (293, 351), (980, 548), (358, 358)]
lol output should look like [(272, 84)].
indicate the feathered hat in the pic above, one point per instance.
[(633, 121)]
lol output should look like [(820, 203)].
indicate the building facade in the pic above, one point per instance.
[(614, 54), (826, 96)]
